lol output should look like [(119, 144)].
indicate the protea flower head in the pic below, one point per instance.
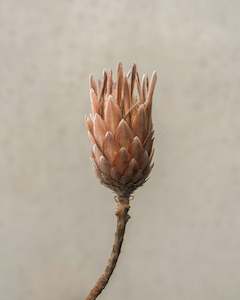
[(120, 129)]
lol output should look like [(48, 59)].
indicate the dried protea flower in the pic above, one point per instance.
[(121, 133), (120, 129)]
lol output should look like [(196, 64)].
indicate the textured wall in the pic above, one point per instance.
[(56, 221)]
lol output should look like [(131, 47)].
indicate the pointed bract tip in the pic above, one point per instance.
[(104, 73), (134, 68), (108, 134), (120, 65), (90, 79), (110, 97), (154, 75), (91, 91)]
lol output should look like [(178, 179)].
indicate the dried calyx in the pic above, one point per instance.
[(120, 129)]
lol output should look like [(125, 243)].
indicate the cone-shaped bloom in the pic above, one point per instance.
[(120, 129)]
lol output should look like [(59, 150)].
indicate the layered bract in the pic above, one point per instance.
[(120, 129)]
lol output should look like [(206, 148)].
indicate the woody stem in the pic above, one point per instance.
[(122, 219)]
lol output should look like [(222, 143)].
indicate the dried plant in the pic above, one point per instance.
[(121, 132)]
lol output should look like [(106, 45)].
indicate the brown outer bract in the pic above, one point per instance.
[(120, 129)]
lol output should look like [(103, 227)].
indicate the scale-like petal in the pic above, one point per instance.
[(139, 124), (122, 159), (119, 83), (94, 101), (92, 84), (96, 154), (123, 134), (89, 124), (137, 149), (151, 90), (110, 147), (104, 165), (99, 129), (112, 114)]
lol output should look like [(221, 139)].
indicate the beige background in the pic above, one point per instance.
[(56, 221)]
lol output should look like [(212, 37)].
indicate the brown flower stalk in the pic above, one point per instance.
[(120, 130)]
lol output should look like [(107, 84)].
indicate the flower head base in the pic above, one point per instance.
[(120, 129)]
